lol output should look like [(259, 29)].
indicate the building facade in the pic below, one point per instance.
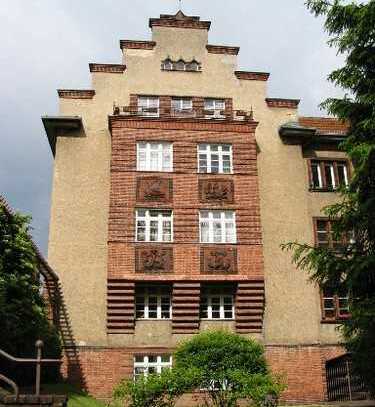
[(176, 179)]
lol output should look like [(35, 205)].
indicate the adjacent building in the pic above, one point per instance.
[(176, 179)]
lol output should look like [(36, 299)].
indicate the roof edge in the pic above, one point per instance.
[(76, 93), (222, 49), (252, 76), (137, 44), (283, 103), (107, 68)]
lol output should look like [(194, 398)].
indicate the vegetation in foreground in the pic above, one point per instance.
[(221, 367), (351, 26)]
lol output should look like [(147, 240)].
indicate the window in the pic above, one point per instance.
[(217, 227), (145, 365), (217, 303), (215, 158), (328, 175), (167, 65), (325, 236), (153, 302), (154, 156), (335, 305), (214, 108), (154, 225), (148, 106), (180, 65), (182, 103), (192, 66)]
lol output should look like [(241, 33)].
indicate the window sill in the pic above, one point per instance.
[(215, 173), (180, 70), (217, 319), (153, 319), (311, 189), (334, 321)]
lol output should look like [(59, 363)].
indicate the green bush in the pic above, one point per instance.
[(225, 366)]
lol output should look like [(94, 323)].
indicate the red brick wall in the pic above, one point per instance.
[(186, 203), (303, 368)]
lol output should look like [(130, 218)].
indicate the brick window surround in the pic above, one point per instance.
[(328, 174)]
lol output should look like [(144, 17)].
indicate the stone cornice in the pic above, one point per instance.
[(107, 68), (76, 93), (252, 76), (222, 49), (133, 44), (282, 103)]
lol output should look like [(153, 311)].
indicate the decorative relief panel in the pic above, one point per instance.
[(154, 260), (154, 189), (216, 190), (218, 260)]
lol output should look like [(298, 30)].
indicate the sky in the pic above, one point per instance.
[(47, 44)]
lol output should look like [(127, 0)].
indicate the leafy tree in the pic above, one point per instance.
[(228, 366), (351, 27), (23, 317), (231, 368)]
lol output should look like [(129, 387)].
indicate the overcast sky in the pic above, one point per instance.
[(47, 44)]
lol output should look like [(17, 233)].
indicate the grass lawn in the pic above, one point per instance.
[(77, 398)]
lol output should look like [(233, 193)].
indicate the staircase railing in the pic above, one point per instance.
[(38, 367)]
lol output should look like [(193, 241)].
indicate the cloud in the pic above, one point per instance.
[(46, 44)]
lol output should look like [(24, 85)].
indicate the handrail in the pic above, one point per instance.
[(38, 361), (11, 383)]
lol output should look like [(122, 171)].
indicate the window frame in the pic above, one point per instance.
[(223, 222), (160, 152), (329, 231), (148, 98), (338, 315), (146, 301), (220, 154), (321, 163), (182, 99), (147, 218), (223, 292), (146, 364)]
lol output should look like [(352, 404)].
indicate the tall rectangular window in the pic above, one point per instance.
[(325, 236), (154, 225), (328, 175), (217, 303), (148, 106), (217, 226), (154, 156), (215, 158), (214, 108), (153, 302), (145, 365), (335, 304)]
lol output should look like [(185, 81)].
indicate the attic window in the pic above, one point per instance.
[(180, 65)]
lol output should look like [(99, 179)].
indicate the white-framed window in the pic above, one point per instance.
[(217, 303), (145, 365), (215, 158), (328, 175), (217, 226), (215, 108), (148, 106), (182, 104), (153, 302), (154, 225), (154, 156)]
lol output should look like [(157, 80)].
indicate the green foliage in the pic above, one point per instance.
[(231, 368), (156, 390), (23, 317), (351, 27), (228, 366)]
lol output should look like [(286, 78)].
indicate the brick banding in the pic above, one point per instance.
[(325, 125), (133, 44), (250, 306), (252, 76), (222, 49), (185, 307), (107, 68), (282, 103), (76, 93)]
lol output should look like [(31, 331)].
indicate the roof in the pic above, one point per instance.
[(46, 269), (325, 125), (316, 130), (56, 125), (179, 20)]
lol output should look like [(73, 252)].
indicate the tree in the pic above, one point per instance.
[(23, 317), (352, 30), (226, 366)]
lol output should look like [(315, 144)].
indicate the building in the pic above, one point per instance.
[(176, 179)]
